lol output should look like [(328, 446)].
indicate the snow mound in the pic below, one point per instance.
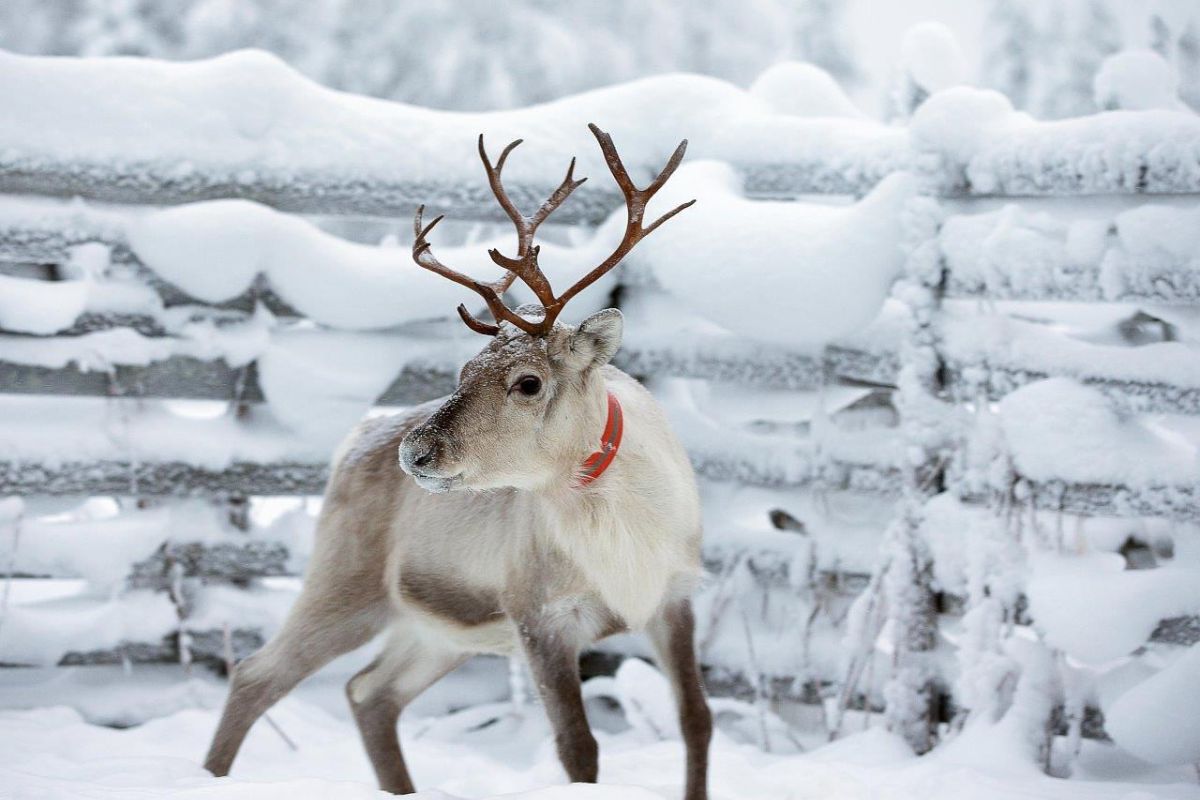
[(53, 754), (70, 430), (1058, 429), (959, 121), (809, 273), (246, 117), (1112, 152), (215, 250), (1159, 719), (1136, 80), (320, 383), (1096, 611), (800, 89), (932, 56), (1167, 233), (42, 307)]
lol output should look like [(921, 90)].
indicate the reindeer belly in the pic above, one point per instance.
[(468, 616)]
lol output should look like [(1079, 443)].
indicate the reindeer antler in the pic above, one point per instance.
[(525, 264)]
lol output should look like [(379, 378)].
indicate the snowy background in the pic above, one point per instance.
[(929, 335)]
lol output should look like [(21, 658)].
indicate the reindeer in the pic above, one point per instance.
[(511, 532)]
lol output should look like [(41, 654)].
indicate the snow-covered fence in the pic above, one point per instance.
[(288, 333)]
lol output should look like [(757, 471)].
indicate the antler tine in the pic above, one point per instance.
[(493, 175), (613, 159), (422, 254), (568, 185), (635, 201), (672, 164), (525, 264)]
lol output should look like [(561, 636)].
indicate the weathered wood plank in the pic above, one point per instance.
[(183, 377), (1164, 287), (179, 479), (33, 241), (162, 479), (843, 362), (220, 561), (299, 191), (827, 474), (206, 647), (187, 378), (771, 369), (1107, 500), (1183, 631), (1134, 397), (847, 176)]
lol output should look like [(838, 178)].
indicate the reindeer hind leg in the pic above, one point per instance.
[(378, 694)]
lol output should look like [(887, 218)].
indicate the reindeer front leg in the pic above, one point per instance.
[(552, 649), (672, 634)]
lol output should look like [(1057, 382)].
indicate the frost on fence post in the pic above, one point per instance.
[(912, 691)]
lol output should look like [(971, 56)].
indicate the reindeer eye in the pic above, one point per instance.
[(528, 385)]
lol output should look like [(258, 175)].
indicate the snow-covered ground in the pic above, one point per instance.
[(464, 739)]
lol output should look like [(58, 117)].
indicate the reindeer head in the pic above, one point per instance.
[(524, 410)]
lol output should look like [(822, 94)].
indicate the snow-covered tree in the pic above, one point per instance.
[(127, 27), (819, 36), (1174, 33), (1074, 41), (464, 54), (1008, 50)]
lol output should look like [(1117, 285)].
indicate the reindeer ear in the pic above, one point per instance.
[(598, 337)]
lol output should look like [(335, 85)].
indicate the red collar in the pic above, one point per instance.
[(610, 442)]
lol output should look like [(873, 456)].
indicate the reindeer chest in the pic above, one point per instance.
[(628, 557)]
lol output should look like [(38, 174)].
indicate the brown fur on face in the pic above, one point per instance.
[(491, 434)]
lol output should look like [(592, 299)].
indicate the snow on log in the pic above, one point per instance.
[(222, 561), (1146, 253), (48, 430), (99, 540), (834, 264), (245, 125), (138, 624), (1095, 609), (235, 254), (1058, 430), (662, 338), (862, 461), (1158, 720), (1001, 353), (984, 147)]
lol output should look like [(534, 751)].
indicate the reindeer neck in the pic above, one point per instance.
[(593, 443)]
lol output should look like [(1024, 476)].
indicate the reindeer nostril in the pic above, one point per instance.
[(427, 456)]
